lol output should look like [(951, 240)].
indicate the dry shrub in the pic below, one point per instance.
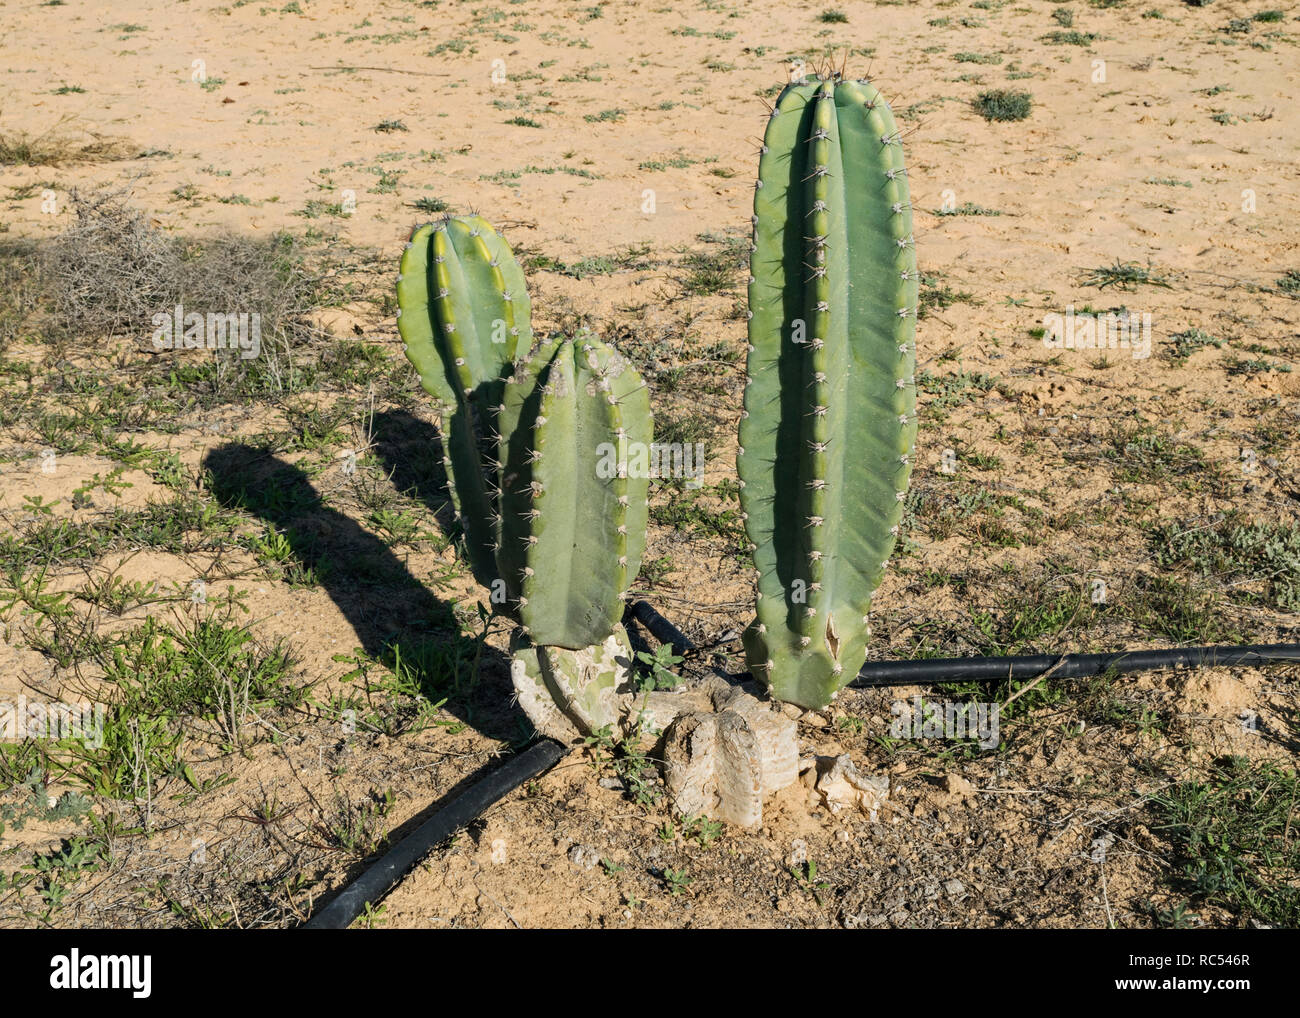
[(113, 269), (62, 143)]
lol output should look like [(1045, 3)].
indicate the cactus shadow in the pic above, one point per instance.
[(411, 453), (385, 604)]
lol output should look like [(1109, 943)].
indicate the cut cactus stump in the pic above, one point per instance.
[(721, 764)]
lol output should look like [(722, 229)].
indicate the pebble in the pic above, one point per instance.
[(583, 856)]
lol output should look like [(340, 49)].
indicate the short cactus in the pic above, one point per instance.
[(570, 532), (829, 422), (464, 313), (528, 439)]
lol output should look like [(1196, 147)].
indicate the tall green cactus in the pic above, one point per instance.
[(464, 315), (829, 422)]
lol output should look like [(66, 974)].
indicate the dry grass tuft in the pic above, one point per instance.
[(61, 144)]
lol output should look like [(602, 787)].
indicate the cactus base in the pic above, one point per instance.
[(571, 694)]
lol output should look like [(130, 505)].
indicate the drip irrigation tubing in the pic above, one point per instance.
[(939, 671), (377, 880), (462, 811)]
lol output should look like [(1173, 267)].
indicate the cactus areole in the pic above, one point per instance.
[(829, 422)]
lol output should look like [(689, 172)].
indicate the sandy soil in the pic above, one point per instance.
[(338, 118)]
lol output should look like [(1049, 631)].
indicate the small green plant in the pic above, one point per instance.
[(1071, 38), (1232, 839), (833, 16), (59, 872), (701, 830), (427, 203), (372, 918), (676, 881), (1125, 276), (1289, 283), (966, 209), (1266, 555), (805, 875), (1183, 344), (661, 664), (1003, 104)]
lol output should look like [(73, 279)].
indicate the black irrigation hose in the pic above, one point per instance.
[(1066, 666), (376, 881), (660, 628), (937, 671)]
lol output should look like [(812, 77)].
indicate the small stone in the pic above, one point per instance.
[(583, 857)]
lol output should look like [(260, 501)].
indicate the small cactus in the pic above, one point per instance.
[(571, 530), (573, 516), (464, 316), (829, 422), (528, 441)]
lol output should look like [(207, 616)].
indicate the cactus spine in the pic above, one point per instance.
[(829, 422), (464, 316)]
